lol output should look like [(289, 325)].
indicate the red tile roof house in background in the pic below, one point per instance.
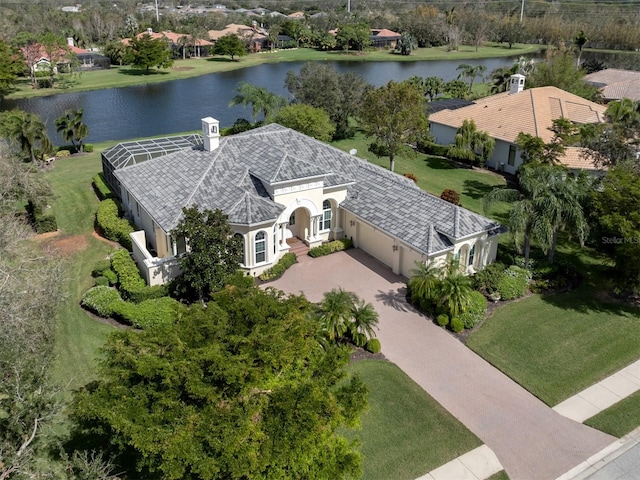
[(381, 38), (255, 38), (175, 41), (505, 115)]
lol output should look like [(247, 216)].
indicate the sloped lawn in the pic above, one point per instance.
[(560, 344), (405, 433)]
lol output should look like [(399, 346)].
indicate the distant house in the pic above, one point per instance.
[(175, 41), (616, 84), (296, 15), (505, 115), (381, 38), (279, 189), (87, 59), (255, 38)]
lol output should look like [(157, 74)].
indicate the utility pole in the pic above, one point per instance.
[(158, 16), (521, 10), (348, 6)]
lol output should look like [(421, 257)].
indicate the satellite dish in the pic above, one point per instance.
[(353, 151)]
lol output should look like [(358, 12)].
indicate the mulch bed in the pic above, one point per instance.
[(361, 354)]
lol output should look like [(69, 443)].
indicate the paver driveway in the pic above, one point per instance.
[(530, 439)]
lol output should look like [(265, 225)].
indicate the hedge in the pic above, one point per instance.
[(279, 268), (103, 191), (475, 311), (101, 300), (433, 149), (330, 247), (45, 223), (111, 225), (101, 267), (130, 283), (514, 283), (157, 311), (62, 153)]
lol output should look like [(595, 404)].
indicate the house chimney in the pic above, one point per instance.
[(149, 31), (516, 83), (211, 133), (70, 41)]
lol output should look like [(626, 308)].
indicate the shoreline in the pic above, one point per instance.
[(123, 76)]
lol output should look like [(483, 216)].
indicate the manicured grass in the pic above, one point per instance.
[(557, 345), (619, 419), (405, 433), (126, 76), (436, 174), (501, 475)]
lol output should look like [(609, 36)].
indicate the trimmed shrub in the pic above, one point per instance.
[(411, 176), (443, 319), (450, 196), (101, 267), (103, 191), (111, 225), (279, 268), (431, 148), (101, 282), (158, 311), (330, 247), (475, 311), (111, 276), (87, 148), (130, 283), (62, 153), (46, 223), (373, 346), (486, 280), (457, 325), (101, 300), (514, 283)]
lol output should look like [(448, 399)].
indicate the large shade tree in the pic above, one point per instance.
[(230, 45), (311, 121), (146, 52), (395, 114), (238, 389)]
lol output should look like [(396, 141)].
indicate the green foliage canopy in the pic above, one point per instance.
[(231, 45), (309, 120), (146, 52)]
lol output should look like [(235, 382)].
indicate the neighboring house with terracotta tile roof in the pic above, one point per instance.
[(255, 38), (175, 41), (616, 84), (278, 186), (505, 115), (296, 15), (382, 37)]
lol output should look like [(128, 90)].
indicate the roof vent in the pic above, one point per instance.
[(516, 83), (211, 133)]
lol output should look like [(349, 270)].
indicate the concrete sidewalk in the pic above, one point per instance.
[(532, 441), (478, 464), (602, 395)]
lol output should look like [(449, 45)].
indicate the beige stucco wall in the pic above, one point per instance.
[(156, 271)]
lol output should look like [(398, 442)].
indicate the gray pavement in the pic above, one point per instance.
[(624, 467), (530, 440)]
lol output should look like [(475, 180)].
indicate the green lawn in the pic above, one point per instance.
[(436, 174), (125, 76), (405, 433), (619, 419), (557, 345)]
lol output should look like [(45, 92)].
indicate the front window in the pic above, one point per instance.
[(261, 247), (472, 254), (325, 220), (512, 155)]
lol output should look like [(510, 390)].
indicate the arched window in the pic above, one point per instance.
[(275, 238), (325, 220), (261, 247), (472, 255), (240, 238)]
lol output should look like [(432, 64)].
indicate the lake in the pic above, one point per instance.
[(178, 106)]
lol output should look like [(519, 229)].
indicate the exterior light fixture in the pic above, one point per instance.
[(394, 248)]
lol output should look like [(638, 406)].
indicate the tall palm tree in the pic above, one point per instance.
[(183, 41), (424, 281), (364, 321), (500, 78), (470, 72), (261, 100), (28, 132), (580, 41), (335, 312), (72, 128)]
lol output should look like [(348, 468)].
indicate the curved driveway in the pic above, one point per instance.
[(531, 441)]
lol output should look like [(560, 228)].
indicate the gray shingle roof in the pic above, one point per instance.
[(230, 178)]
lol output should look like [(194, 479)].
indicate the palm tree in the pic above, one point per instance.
[(470, 72), (580, 41), (28, 131), (424, 281), (72, 128), (500, 78), (183, 41), (262, 100), (454, 292), (364, 320), (335, 312)]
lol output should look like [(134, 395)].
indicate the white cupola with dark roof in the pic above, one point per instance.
[(516, 83), (211, 133)]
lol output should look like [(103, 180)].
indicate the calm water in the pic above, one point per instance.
[(178, 106)]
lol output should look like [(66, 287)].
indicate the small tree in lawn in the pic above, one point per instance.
[(395, 114), (72, 128), (231, 45), (213, 252)]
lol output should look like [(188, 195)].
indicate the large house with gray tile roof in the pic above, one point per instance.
[(276, 185), (505, 115)]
